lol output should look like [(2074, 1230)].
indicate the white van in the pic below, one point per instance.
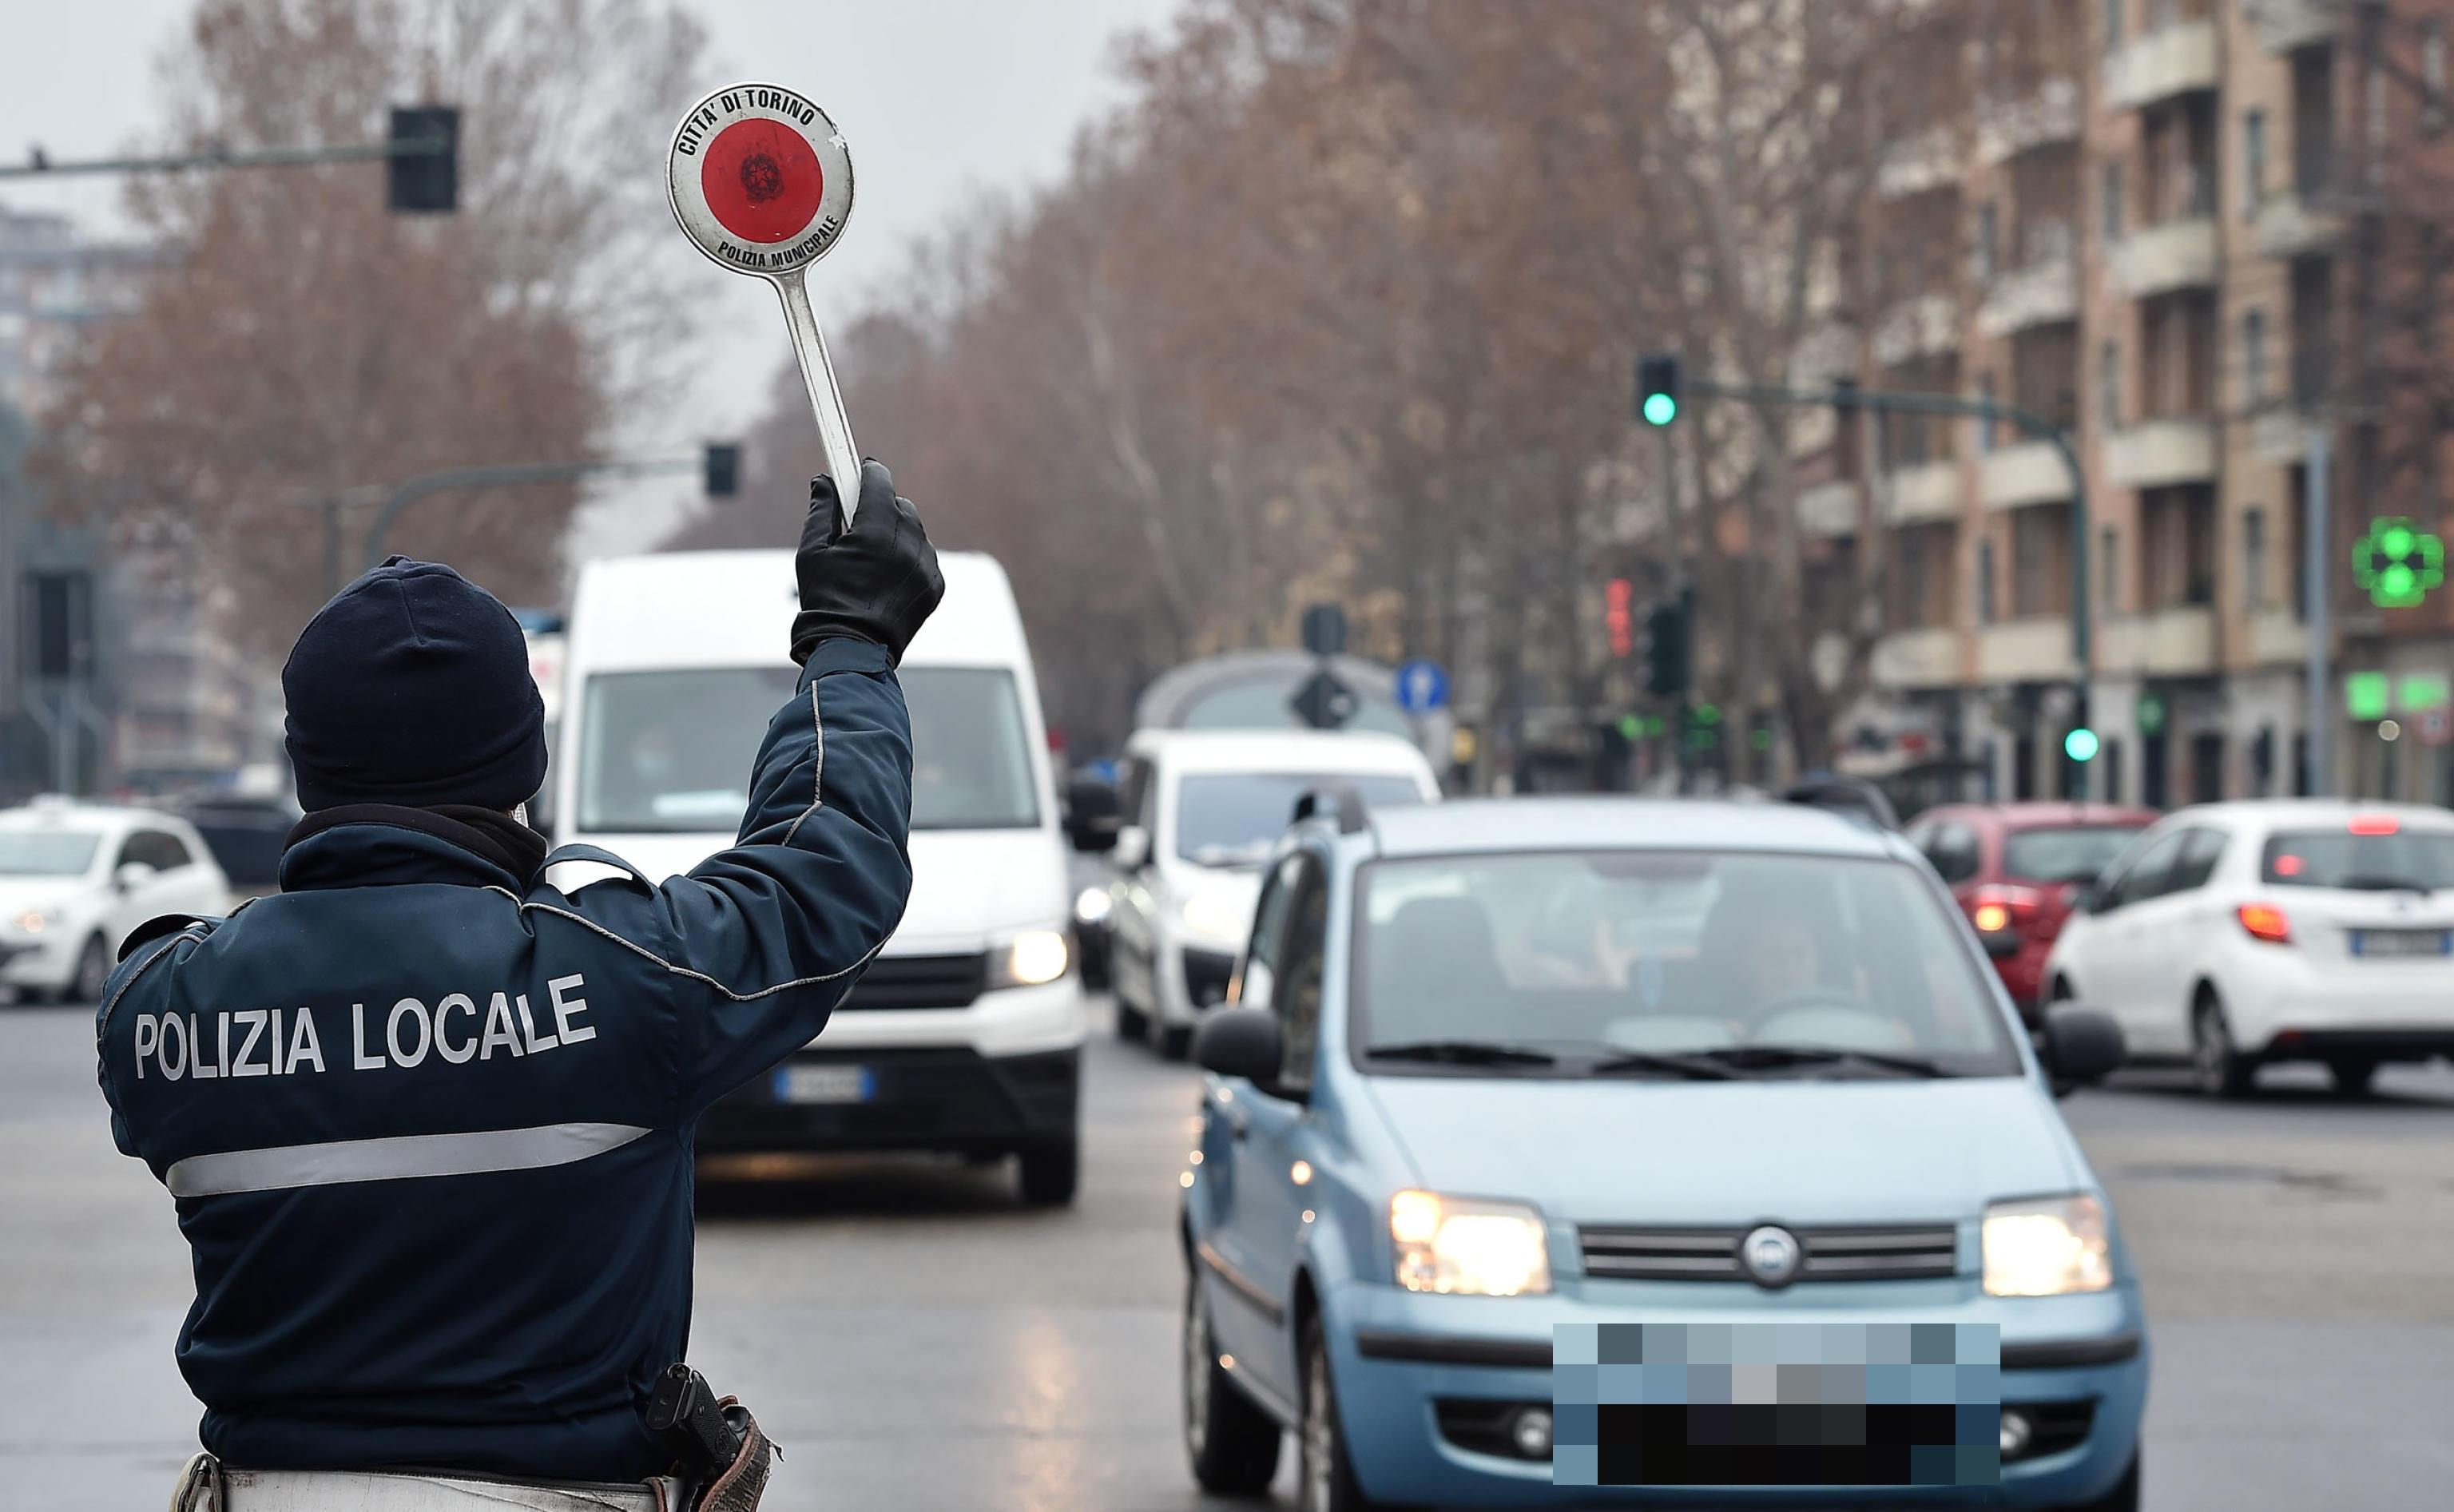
[(965, 1033), (1202, 810)]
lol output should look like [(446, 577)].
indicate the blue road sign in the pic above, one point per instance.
[(1422, 686)]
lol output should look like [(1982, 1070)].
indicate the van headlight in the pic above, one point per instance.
[(2047, 1247), (1031, 959), (1091, 905), (1461, 1246)]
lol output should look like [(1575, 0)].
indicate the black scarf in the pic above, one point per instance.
[(487, 833)]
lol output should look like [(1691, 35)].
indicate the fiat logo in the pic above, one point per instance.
[(1770, 1256)]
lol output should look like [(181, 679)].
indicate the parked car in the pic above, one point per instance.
[(76, 878), (245, 834), (1427, 1140), (2015, 868), (1202, 810), (1093, 820), (965, 1033), (2291, 929)]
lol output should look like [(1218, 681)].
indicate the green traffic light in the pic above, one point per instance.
[(2081, 744), (1660, 408)]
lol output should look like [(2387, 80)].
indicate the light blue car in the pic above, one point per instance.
[(1494, 1067)]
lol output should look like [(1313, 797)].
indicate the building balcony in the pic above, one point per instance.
[(1927, 658), (2176, 642), (2289, 226), (2287, 26), (2158, 454), (2182, 58), (2042, 294), (2279, 436), (2278, 637), (1918, 328), (2049, 117), (2160, 259), (1928, 491), (2031, 473), (2035, 650), (1917, 165), (1826, 510)]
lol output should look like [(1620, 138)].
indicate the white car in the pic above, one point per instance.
[(1202, 808), (2289, 929), (76, 878)]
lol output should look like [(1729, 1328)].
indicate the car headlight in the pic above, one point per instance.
[(1458, 1245), (1030, 958), (1091, 905), (34, 920), (2047, 1247), (1212, 918)]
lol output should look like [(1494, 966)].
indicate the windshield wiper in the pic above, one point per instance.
[(1694, 1067), (1464, 1053), (1774, 1058)]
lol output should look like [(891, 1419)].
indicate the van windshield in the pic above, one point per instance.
[(669, 751)]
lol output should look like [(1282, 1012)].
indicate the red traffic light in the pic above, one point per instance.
[(1619, 615)]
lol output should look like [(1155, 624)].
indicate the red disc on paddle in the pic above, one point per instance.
[(762, 180)]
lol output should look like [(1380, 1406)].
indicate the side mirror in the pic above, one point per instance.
[(131, 876), (2081, 1046), (1092, 814), (2090, 898), (1132, 848), (1240, 1043)]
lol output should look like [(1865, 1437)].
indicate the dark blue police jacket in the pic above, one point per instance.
[(429, 1123)]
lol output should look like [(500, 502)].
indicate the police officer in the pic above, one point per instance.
[(427, 1118)]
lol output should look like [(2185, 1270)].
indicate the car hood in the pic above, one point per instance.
[(21, 895), (966, 885), (1870, 1151)]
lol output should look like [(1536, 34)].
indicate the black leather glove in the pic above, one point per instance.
[(877, 581)]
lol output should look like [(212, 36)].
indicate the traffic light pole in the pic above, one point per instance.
[(1897, 402), (475, 477), (2316, 555), (39, 166)]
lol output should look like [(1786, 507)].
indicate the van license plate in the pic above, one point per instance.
[(2400, 941), (825, 1084)]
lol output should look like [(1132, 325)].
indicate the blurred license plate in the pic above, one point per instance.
[(825, 1084), (2400, 941)]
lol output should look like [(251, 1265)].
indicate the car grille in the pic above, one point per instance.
[(920, 981), (1712, 1254)]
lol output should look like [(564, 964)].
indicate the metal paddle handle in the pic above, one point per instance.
[(826, 398)]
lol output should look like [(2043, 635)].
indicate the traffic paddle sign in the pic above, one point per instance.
[(760, 181)]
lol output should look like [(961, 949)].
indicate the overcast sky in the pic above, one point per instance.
[(937, 97)]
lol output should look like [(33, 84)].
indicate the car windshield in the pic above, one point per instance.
[(47, 853), (2417, 860), (1233, 818), (2065, 854), (1682, 963), (670, 752)]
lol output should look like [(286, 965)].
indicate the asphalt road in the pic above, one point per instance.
[(916, 1341)]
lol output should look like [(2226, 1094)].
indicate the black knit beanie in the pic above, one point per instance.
[(413, 687)]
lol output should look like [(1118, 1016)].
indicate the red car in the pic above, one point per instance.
[(2014, 869)]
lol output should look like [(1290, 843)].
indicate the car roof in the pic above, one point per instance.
[(1501, 825), (2039, 814), (2267, 814), (1279, 751)]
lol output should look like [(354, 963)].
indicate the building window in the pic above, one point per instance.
[(2253, 558), (2253, 162), (2432, 77), (1988, 230), (2109, 212), (2108, 385), (2113, 27), (1985, 582), (2108, 569), (1986, 422), (2253, 358)]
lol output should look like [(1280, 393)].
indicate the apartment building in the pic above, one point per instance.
[(2162, 233)]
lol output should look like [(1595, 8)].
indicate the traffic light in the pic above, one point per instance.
[(722, 466), (1658, 387), (1666, 650), (2081, 744), (428, 181), (1619, 615)]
